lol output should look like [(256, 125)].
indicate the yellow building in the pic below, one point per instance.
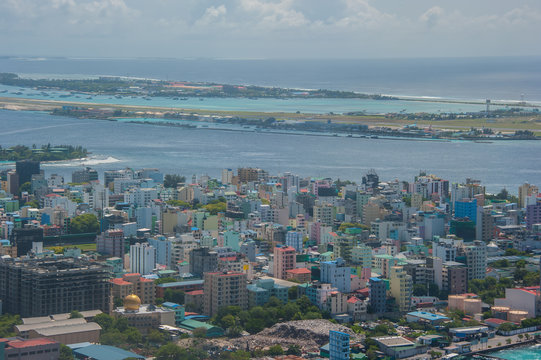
[(401, 287)]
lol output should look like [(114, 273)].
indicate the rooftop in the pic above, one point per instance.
[(393, 341), (105, 352)]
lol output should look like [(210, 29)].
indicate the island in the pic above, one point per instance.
[(44, 153)]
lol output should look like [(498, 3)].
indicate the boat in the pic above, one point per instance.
[(183, 98), (374, 137), (201, 99)]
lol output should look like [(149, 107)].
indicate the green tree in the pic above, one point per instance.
[(171, 352), (74, 314), (25, 187), (104, 320), (176, 296), (133, 336), (294, 350), (275, 350), (156, 336), (419, 289), (7, 322), (171, 180), (85, 223), (200, 332), (65, 353)]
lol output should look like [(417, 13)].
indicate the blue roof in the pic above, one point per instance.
[(106, 352), (375, 279), (428, 315), (171, 304)]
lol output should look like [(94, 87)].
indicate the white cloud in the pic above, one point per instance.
[(274, 13), (432, 16), (212, 15)]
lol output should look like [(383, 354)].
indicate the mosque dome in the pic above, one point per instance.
[(132, 302)]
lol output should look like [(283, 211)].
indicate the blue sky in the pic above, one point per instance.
[(284, 29)]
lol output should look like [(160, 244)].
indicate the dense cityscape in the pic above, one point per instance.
[(135, 263)]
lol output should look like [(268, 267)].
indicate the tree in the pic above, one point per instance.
[(294, 350), (25, 187), (171, 352), (175, 296), (275, 350), (104, 320), (85, 223), (200, 332), (171, 180), (156, 336), (75, 314), (419, 289), (65, 353), (133, 336)]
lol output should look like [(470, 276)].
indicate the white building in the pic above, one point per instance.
[(142, 258)]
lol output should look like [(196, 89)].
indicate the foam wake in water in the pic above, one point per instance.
[(89, 161)]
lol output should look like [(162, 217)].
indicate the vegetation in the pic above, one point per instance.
[(85, 223), (216, 206), (489, 288), (45, 153), (171, 180), (117, 332), (7, 321), (234, 320)]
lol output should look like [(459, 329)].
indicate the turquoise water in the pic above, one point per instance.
[(529, 353), (315, 106)]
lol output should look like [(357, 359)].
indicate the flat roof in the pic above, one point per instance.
[(394, 341), (427, 315), (181, 283), (69, 329)]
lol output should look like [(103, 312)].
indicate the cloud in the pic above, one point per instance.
[(212, 15), (432, 16), (274, 13)]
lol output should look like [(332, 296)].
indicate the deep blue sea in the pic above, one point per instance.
[(507, 78), (115, 145)]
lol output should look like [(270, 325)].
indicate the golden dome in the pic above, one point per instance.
[(132, 302)]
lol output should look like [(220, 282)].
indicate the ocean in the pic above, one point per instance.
[(496, 78), (116, 145), (522, 353)]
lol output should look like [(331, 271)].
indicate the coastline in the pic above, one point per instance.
[(502, 124)]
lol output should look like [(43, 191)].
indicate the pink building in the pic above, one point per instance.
[(284, 259)]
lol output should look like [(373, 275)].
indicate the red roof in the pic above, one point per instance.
[(195, 292), (132, 274), (353, 300), (228, 258), (19, 344), (286, 248), (120, 281), (299, 271), (496, 321)]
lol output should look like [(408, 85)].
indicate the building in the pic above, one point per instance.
[(378, 295), (23, 238), (294, 240), (533, 214), (401, 287), (40, 287), (362, 255), (25, 169), (261, 291), (144, 317), (111, 242), (284, 259), (224, 289), (525, 191), (466, 208), (476, 259), (203, 260), (186, 286), (337, 274), (484, 228), (63, 330), (398, 347), (142, 258), (426, 317), (178, 309), (300, 275), (134, 283), (104, 352), (33, 349), (84, 176), (338, 345)]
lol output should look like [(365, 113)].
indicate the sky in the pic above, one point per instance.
[(268, 29)]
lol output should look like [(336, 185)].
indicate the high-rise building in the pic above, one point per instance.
[(378, 295), (224, 289), (25, 169), (84, 176), (41, 287), (362, 255), (227, 176), (524, 191), (484, 228), (338, 345), (142, 258), (337, 274), (284, 259), (294, 239), (324, 213), (111, 242), (13, 183), (24, 237), (401, 287), (476, 259), (533, 214), (466, 208), (203, 260)]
